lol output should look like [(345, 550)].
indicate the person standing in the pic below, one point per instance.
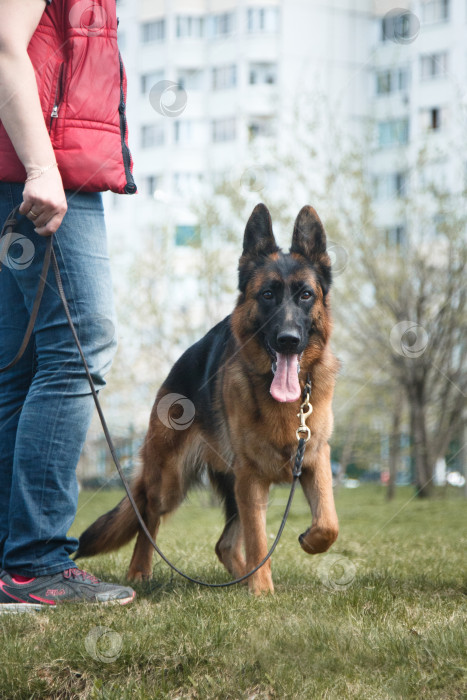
[(63, 140)]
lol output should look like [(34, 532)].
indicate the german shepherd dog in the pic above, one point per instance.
[(245, 380)]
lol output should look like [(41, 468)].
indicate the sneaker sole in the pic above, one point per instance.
[(81, 601), (22, 607), (119, 601), (35, 607), (125, 601)]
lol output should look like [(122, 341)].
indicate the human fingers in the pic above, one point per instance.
[(51, 225)]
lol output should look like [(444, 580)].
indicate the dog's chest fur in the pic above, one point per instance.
[(263, 440)]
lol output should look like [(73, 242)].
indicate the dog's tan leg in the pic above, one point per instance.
[(229, 548), (316, 482), (252, 499), (163, 495), (141, 562)]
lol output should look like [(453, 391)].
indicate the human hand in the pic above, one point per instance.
[(44, 201)]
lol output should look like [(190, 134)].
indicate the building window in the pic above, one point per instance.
[(435, 10), (390, 185), (224, 130), (148, 80), (395, 236), (152, 183), (393, 133), (222, 25), (389, 81), (400, 184), (153, 31), (432, 119), (187, 236), (401, 25), (224, 77), (402, 78), (192, 27), (190, 79), (433, 65), (383, 83), (152, 136), (260, 126), (435, 118), (262, 73), (183, 132), (262, 19)]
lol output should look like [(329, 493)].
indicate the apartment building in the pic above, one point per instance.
[(418, 101), (209, 79)]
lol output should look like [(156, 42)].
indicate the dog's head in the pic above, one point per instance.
[(282, 313)]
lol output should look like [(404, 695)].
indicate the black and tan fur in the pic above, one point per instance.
[(240, 433)]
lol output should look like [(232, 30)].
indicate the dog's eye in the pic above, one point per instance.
[(267, 294), (306, 295)]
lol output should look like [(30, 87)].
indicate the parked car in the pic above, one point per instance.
[(455, 479)]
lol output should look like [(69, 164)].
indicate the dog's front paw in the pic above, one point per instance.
[(260, 583), (318, 539), (261, 588), (138, 575)]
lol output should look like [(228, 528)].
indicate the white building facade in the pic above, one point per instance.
[(418, 96), (210, 78)]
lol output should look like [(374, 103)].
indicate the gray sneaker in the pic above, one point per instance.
[(19, 594)]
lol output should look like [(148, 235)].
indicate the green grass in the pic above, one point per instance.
[(385, 620)]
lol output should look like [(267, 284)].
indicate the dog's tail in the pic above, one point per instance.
[(115, 528)]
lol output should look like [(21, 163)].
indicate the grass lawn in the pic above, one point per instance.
[(386, 618)]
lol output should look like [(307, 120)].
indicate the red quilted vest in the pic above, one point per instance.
[(82, 88)]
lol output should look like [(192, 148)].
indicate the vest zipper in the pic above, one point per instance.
[(130, 187), (57, 98)]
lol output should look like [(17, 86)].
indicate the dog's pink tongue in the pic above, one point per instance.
[(285, 385)]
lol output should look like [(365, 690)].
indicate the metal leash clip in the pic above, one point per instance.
[(305, 410)]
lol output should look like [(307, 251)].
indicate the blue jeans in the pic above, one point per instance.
[(45, 401)]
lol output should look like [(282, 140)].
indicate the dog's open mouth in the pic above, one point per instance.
[(285, 368)]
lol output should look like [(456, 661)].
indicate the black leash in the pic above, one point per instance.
[(6, 233), (297, 468)]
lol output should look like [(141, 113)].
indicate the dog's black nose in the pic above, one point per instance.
[(288, 341)]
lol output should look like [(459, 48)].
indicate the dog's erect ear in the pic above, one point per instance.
[(258, 243), (259, 238), (309, 240)]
